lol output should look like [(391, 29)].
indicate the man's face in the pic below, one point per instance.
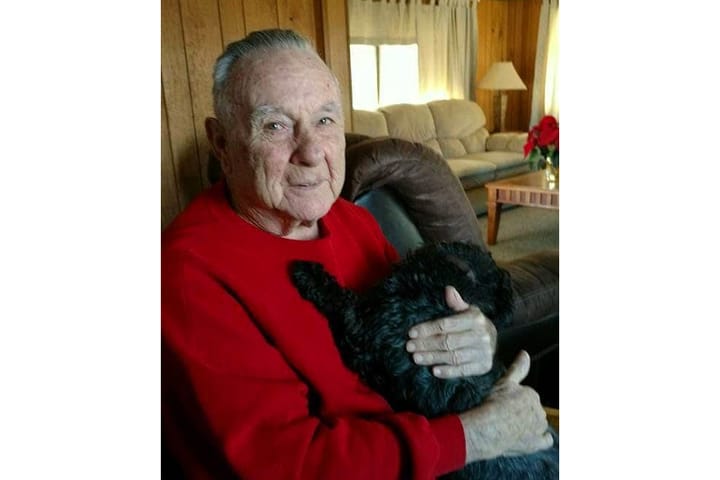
[(286, 146)]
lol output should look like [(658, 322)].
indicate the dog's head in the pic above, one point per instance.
[(473, 272)]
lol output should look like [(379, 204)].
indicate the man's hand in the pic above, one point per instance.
[(511, 421), (459, 345)]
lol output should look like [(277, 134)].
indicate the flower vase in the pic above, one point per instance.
[(551, 172)]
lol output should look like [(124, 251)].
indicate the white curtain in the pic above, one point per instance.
[(447, 49), (546, 87), (444, 30), (383, 22)]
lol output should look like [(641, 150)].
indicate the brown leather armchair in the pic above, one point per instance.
[(417, 199)]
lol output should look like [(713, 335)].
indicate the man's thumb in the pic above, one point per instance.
[(454, 300), (519, 369)]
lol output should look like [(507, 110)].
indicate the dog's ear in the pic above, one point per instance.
[(462, 265)]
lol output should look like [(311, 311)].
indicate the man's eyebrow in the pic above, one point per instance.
[(263, 111), (331, 107)]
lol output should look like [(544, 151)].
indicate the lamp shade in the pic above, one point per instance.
[(502, 76)]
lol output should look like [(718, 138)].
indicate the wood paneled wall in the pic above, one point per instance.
[(507, 31), (193, 34)]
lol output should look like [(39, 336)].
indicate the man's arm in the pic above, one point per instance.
[(257, 413)]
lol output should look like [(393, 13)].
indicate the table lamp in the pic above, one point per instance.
[(501, 76)]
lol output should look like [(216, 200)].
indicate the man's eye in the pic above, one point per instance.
[(326, 121), (273, 126)]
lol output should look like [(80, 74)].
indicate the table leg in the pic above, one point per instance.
[(493, 219)]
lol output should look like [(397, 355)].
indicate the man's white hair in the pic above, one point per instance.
[(238, 52)]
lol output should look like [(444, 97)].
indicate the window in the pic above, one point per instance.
[(363, 75), (384, 75)]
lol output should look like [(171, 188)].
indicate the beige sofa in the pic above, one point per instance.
[(456, 130)]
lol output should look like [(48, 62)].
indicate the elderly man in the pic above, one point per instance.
[(253, 384)]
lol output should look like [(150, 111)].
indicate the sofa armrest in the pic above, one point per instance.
[(506, 141)]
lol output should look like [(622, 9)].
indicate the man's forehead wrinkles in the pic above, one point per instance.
[(262, 111)]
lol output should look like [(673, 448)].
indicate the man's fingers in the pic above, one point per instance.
[(454, 300), (464, 370), (455, 357), (448, 342), (531, 444), (519, 369), (470, 319)]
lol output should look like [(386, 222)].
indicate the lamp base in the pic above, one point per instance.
[(499, 108)]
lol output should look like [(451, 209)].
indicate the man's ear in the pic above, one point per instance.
[(218, 143)]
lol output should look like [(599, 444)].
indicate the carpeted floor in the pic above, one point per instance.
[(524, 230)]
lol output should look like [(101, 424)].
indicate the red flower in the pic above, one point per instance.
[(548, 122), (529, 145), (549, 131), (549, 137), (543, 141), (532, 140), (543, 135)]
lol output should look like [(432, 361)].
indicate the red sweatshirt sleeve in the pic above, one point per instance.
[(241, 395)]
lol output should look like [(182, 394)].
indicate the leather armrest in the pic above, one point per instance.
[(420, 180), (535, 284)]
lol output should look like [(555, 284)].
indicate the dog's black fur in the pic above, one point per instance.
[(371, 329)]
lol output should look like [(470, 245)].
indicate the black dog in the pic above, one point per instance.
[(370, 330)]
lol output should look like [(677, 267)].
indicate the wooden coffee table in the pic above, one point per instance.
[(530, 190)]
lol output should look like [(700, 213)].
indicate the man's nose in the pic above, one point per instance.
[(308, 149)]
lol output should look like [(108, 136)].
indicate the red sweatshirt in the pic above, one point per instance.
[(252, 380)]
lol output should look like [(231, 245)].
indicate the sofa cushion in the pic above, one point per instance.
[(472, 172), (460, 126), (369, 123), (475, 169), (509, 141), (413, 123), (501, 160), (452, 147)]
